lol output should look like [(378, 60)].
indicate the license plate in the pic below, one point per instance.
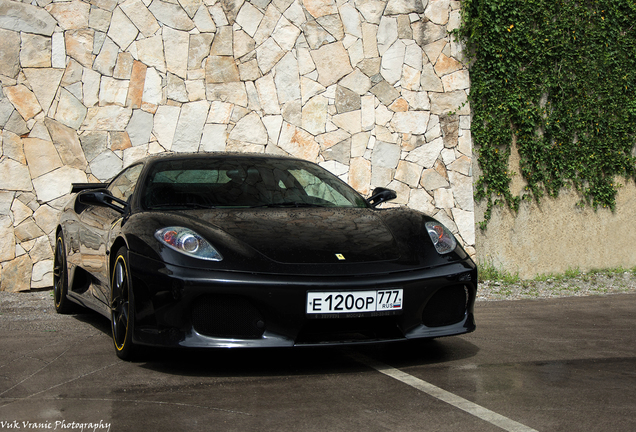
[(357, 302)]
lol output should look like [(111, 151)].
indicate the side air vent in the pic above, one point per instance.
[(227, 316), (447, 306)]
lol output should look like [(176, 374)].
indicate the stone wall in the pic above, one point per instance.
[(373, 90)]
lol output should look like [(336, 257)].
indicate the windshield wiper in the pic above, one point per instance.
[(288, 204), (187, 205)]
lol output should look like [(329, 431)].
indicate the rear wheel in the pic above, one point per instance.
[(122, 306), (60, 279)]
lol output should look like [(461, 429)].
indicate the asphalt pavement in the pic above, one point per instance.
[(564, 364)]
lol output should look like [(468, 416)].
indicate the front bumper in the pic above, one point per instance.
[(184, 307)]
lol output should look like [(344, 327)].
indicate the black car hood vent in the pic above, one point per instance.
[(310, 236)]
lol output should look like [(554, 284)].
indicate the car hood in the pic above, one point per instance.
[(309, 236)]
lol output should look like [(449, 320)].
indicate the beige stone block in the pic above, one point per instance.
[(35, 51), (267, 94), (46, 218), (399, 105), (122, 31), (421, 200), (203, 20), (444, 198), (113, 91), (318, 8), (465, 221), (459, 80), (44, 82), (429, 79), (410, 78), (222, 45), (298, 142), (349, 121), (195, 90), (42, 274), (23, 100), (67, 144), (140, 16), (249, 71), (124, 66), (232, 92), (314, 115), (14, 176), (172, 15), (70, 110), (9, 53), (409, 173), (332, 63), (7, 245), (119, 141), (438, 11), (12, 146), (431, 180), (110, 118), (250, 129), (410, 122), (136, 85), (190, 6), (285, 34), (42, 156), (151, 52), (72, 15), (57, 183), (176, 51), (446, 65), (332, 138), (16, 275), (99, 19), (41, 250), (268, 54), (221, 69), (456, 101), (79, 45), (27, 230)]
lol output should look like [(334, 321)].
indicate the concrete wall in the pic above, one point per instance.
[(363, 87), (557, 235)]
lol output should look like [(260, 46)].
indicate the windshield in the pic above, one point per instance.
[(244, 182)]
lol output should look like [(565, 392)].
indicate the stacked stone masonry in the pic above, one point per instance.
[(373, 90)]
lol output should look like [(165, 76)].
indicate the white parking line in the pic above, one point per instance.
[(465, 405)]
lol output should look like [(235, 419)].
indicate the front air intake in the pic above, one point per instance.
[(227, 316), (447, 306)]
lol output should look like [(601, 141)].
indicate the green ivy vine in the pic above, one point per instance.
[(558, 77)]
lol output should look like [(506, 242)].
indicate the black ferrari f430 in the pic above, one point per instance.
[(233, 250)]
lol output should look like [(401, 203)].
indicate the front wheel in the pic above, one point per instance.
[(122, 306), (60, 279)]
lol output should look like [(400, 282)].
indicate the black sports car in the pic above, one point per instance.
[(236, 250)]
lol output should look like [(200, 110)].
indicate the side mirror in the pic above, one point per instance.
[(381, 195), (102, 198)]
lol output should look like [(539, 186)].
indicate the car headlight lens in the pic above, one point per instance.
[(187, 242), (443, 240)]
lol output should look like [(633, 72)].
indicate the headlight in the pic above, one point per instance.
[(441, 237), (187, 242)]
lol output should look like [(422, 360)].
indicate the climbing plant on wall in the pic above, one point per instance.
[(559, 78)]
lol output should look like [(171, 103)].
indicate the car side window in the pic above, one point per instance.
[(124, 185)]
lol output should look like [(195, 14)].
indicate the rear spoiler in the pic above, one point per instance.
[(78, 187)]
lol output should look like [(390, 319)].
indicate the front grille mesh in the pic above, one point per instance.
[(447, 306), (227, 316)]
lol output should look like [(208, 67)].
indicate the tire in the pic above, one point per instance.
[(122, 307), (60, 279)]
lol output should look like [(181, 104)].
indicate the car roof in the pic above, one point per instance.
[(217, 155)]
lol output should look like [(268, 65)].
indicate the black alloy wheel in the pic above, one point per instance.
[(60, 278), (122, 306)]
